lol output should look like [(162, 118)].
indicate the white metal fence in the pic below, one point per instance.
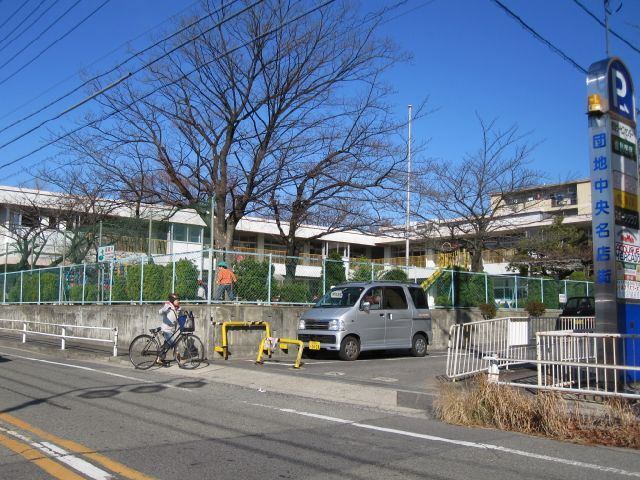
[(62, 331), (512, 340), (586, 363)]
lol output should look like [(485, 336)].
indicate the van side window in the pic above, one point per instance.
[(374, 297), (419, 297), (394, 298)]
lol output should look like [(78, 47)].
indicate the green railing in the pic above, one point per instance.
[(263, 279)]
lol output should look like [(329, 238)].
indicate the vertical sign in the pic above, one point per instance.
[(613, 163)]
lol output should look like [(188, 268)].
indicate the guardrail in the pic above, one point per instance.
[(510, 340), (63, 328), (604, 364), (271, 343), (224, 348)]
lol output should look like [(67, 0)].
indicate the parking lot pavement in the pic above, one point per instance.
[(386, 369)]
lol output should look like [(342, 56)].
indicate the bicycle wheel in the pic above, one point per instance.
[(143, 351), (189, 351)]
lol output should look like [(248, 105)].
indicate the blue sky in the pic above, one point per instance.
[(469, 56)]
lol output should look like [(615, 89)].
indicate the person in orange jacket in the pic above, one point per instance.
[(225, 279)]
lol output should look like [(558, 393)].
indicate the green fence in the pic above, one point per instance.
[(454, 288), (263, 278)]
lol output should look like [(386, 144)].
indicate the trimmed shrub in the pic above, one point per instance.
[(155, 286), (334, 270), (488, 310), (252, 279), (395, 274), (535, 308), (186, 280), (293, 291)]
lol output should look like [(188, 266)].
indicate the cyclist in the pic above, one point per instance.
[(169, 322)]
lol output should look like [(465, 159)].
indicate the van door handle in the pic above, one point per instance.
[(382, 314)]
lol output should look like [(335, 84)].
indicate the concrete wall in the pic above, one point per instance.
[(133, 320)]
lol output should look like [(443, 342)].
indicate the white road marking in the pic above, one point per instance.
[(63, 456), (385, 379), (463, 443), (104, 372)]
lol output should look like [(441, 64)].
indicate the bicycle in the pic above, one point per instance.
[(188, 350)]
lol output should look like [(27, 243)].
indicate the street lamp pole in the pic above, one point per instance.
[(408, 217)]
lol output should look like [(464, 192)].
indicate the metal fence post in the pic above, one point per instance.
[(542, 290), (538, 364), (587, 286), (453, 288), (210, 277), (173, 273), (20, 286), (324, 276), (4, 287), (269, 280), (486, 288), (84, 278), (515, 290), (565, 288), (141, 278), (110, 281), (60, 274), (39, 288), (372, 274)]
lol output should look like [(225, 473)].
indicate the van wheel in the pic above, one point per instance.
[(419, 345), (349, 348)]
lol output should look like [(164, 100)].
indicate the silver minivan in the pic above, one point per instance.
[(354, 317)]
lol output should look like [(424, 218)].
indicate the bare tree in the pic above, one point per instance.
[(466, 200), (212, 121)]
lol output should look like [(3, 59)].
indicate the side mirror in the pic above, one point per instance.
[(366, 306)]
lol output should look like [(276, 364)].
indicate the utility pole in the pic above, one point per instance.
[(408, 219), (606, 26)]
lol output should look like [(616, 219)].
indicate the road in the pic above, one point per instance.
[(69, 418)]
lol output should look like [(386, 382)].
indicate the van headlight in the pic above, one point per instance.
[(336, 325), (301, 325)]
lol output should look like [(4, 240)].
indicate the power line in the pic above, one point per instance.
[(22, 21), (173, 82), (138, 70), (119, 65), (553, 48), (42, 33), (530, 29), (14, 13), (41, 94), (613, 32), (26, 29)]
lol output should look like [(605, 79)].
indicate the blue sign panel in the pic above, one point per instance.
[(621, 99)]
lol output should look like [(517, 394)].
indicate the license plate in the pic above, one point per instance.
[(314, 345)]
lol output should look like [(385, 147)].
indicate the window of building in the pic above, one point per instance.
[(194, 234), (30, 220), (179, 232)]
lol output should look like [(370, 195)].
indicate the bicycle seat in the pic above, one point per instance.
[(155, 330)]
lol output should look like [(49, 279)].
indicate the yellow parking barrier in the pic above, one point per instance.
[(283, 343), (224, 349)]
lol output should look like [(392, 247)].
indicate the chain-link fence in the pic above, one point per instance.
[(214, 276), (453, 288)]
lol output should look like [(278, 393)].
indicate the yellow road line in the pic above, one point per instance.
[(112, 465), (33, 455)]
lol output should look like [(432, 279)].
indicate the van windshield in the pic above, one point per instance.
[(340, 297)]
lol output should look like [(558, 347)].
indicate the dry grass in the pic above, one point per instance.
[(548, 414)]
